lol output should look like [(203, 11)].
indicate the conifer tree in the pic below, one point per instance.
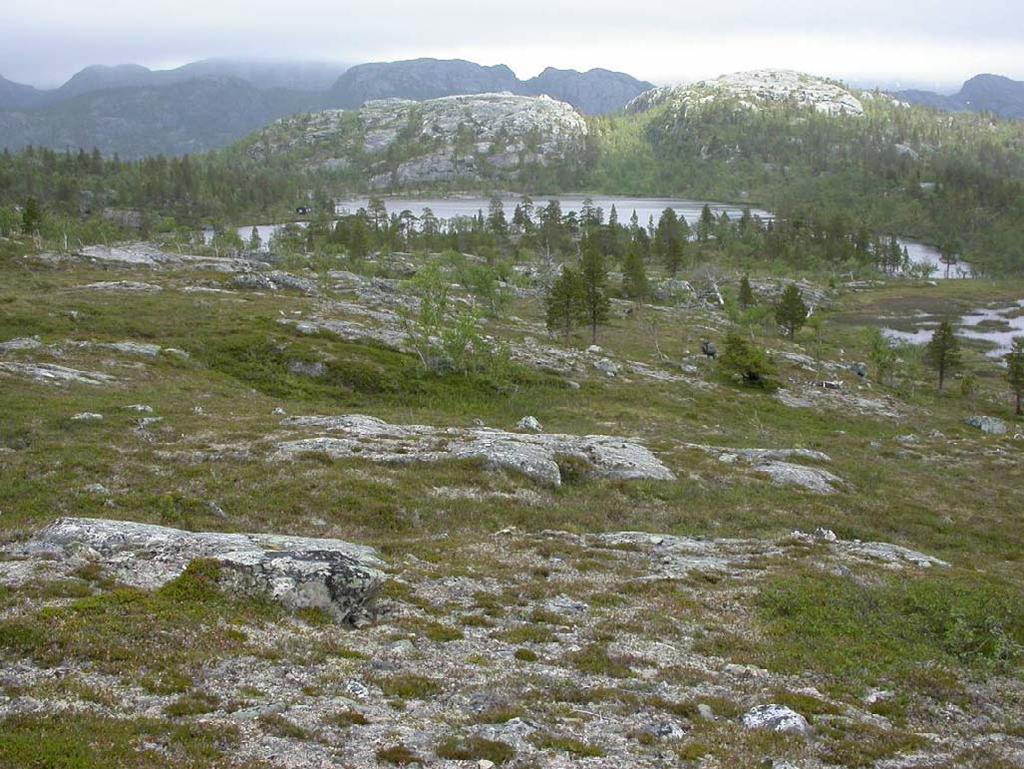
[(942, 353), (791, 312), (564, 303), (634, 274), (594, 280), (746, 296)]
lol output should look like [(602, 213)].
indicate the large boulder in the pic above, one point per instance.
[(990, 425), (336, 577)]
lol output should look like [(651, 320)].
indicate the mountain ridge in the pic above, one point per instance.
[(986, 92), (112, 108)]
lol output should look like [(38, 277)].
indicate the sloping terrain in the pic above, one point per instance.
[(394, 144), (714, 615)]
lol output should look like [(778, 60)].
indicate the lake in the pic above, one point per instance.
[(446, 208), (996, 326), (921, 253)]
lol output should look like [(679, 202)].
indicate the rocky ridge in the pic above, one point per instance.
[(755, 89), (543, 457), (474, 137)]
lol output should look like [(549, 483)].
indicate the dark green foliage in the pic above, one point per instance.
[(822, 622), (791, 312), (634, 274), (942, 353), (746, 294), (30, 216), (564, 303), (83, 741), (594, 284), (742, 358), (670, 240)]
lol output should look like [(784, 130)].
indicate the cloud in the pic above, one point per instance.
[(661, 40)]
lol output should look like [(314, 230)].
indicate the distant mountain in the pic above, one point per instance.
[(208, 104), (181, 118), (982, 93), (596, 92), (419, 79), (291, 75), (17, 96), (100, 77)]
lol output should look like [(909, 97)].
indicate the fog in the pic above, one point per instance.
[(936, 44)]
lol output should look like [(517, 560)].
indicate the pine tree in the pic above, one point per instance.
[(669, 241), (564, 303), (706, 224), (791, 312), (496, 221), (1015, 372), (30, 217), (942, 353), (634, 274), (746, 297), (254, 239), (594, 279)]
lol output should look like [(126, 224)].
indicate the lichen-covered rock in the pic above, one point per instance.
[(396, 143), (990, 425), (331, 575), (755, 89), (777, 718), (790, 474), (51, 373), (539, 457)]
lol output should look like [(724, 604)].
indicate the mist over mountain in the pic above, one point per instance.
[(135, 111), (982, 93)]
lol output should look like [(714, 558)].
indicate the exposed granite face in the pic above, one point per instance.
[(299, 572), (756, 89), (398, 143), (538, 456)]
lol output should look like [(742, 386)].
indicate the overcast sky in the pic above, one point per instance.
[(928, 42)]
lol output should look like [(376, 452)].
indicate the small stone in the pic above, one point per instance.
[(357, 689), (483, 763), (607, 367), (280, 412), (776, 718), (826, 534), (705, 712), (140, 408), (96, 488), (594, 349), (87, 416), (530, 424)]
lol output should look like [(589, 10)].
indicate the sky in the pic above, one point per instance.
[(934, 43)]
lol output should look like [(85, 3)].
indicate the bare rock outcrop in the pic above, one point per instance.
[(336, 577), (542, 457)]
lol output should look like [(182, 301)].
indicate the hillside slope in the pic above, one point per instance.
[(399, 144)]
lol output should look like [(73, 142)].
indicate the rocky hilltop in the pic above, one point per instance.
[(399, 144), (756, 89)]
